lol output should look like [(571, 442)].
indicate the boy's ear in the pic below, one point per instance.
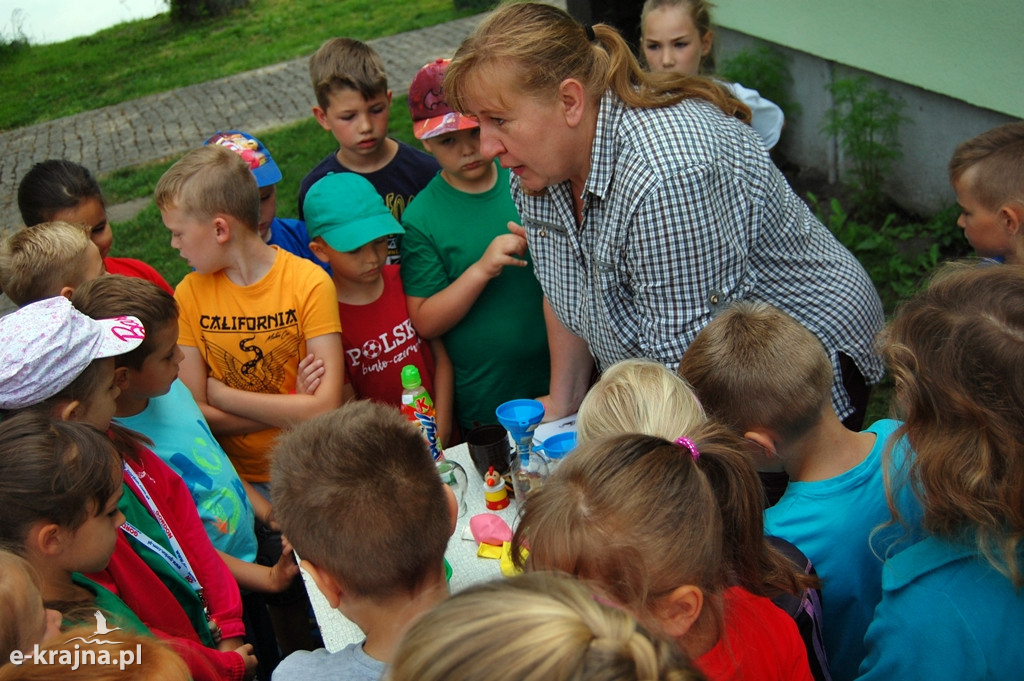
[(573, 98), (319, 250), (221, 229), (67, 292), (388, 95), (328, 585), (677, 612), (1012, 217), (321, 117), (121, 378), (764, 439)]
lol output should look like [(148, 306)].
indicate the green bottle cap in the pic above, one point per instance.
[(410, 376)]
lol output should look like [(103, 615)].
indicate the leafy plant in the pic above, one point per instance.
[(867, 122), (187, 11), (765, 70), (897, 255)]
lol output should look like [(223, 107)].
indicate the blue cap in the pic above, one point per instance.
[(346, 211), (252, 152)]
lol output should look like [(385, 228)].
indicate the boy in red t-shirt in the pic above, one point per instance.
[(378, 337)]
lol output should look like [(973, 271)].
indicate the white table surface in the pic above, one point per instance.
[(467, 568)]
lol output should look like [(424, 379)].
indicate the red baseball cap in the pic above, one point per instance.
[(431, 115)]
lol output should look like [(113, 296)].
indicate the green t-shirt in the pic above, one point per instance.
[(117, 613), (499, 350)]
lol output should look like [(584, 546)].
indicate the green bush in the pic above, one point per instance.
[(766, 71), (13, 40), (867, 122)]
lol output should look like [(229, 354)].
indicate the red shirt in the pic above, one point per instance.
[(130, 267), (761, 643), (379, 340)]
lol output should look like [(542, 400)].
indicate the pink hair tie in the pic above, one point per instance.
[(688, 443)]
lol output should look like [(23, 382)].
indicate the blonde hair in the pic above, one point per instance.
[(700, 14), (638, 396), (156, 661), (755, 366), (19, 599), (210, 181), (539, 46), (37, 262), (956, 351), (998, 156), (342, 63), (532, 628)]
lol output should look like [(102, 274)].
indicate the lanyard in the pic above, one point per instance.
[(177, 559)]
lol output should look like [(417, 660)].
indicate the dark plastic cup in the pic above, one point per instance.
[(488, 446)]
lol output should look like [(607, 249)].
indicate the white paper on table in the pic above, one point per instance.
[(562, 425)]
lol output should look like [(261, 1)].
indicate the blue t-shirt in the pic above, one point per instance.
[(831, 521), (291, 235), (182, 439), (946, 615)]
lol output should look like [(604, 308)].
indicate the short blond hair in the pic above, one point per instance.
[(210, 181), (342, 63), (547, 626), (756, 366), (998, 156), (638, 396), (37, 262)]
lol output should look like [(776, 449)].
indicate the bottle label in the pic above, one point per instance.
[(421, 412)]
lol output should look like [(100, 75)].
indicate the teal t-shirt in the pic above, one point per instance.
[(499, 350), (832, 522), (182, 439)]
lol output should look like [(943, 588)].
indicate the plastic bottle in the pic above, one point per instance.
[(419, 408)]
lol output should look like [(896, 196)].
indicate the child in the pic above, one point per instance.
[(467, 279), (835, 498), (952, 605), (987, 174), (56, 361), (669, 532), (288, 234), (547, 626), (677, 36), (60, 484), (153, 402), (51, 259), (248, 313), (352, 103), (62, 190), (638, 396), (27, 621), (351, 236), (357, 493)]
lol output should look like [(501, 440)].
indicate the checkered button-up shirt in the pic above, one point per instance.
[(683, 212)]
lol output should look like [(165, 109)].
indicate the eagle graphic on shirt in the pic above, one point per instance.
[(258, 368)]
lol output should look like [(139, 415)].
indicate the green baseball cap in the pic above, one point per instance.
[(346, 211)]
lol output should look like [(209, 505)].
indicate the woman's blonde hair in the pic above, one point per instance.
[(539, 46), (638, 396), (956, 351), (146, 659), (533, 627)]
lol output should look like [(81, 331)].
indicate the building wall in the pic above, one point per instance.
[(958, 66)]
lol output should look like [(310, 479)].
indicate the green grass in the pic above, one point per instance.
[(133, 59), (296, 149)]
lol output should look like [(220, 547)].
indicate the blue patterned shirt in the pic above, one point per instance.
[(684, 212)]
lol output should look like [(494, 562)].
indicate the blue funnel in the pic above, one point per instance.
[(520, 418)]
